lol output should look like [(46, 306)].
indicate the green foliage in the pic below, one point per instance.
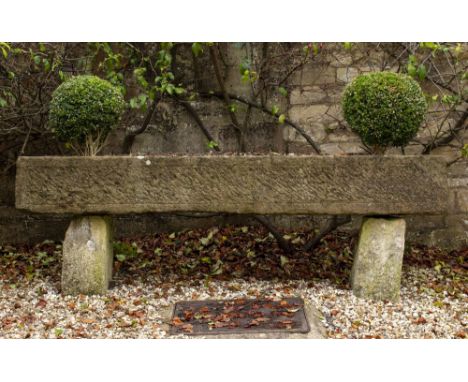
[(464, 151), (5, 49), (283, 91), (124, 251), (246, 71), (384, 108), (85, 107), (416, 70), (197, 48), (212, 144)]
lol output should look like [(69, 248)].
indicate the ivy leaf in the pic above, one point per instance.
[(422, 72), (197, 48), (246, 76), (274, 110), (315, 48), (139, 74), (232, 108), (347, 45), (464, 151), (139, 101), (245, 65), (282, 91), (133, 102), (281, 118), (411, 70), (46, 63), (212, 144), (3, 102), (5, 49)]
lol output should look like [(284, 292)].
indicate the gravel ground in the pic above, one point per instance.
[(38, 310), (434, 299)]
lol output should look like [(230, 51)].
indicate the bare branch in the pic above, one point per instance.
[(196, 117), (266, 110), (226, 99), (332, 224), (283, 244)]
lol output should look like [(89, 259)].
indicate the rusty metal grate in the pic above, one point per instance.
[(240, 316)]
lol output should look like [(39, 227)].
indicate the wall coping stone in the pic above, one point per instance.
[(241, 184)]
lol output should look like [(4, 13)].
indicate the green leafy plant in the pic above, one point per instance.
[(384, 109), (83, 110), (124, 251)]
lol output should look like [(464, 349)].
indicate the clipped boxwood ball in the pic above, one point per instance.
[(85, 106), (384, 108)]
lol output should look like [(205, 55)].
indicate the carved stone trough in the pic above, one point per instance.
[(381, 188)]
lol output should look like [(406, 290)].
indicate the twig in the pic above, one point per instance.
[(332, 224), (130, 137), (227, 100), (265, 110), (23, 147), (460, 125), (195, 116), (283, 244)]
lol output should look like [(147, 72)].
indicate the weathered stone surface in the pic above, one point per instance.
[(345, 75), (314, 75), (315, 130), (274, 184), (376, 272), (313, 113), (462, 200), (307, 95), (87, 256)]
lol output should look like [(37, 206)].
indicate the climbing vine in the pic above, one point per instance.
[(188, 73)]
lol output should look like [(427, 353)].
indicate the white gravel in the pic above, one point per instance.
[(36, 310)]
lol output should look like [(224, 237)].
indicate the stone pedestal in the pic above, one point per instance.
[(87, 256), (378, 259)]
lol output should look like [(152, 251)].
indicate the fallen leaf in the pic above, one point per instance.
[(188, 328), (87, 320), (176, 321), (419, 321)]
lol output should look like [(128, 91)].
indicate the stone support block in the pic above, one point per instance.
[(378, 259), (87, 256)]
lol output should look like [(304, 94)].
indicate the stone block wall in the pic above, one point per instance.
[(313, 102)]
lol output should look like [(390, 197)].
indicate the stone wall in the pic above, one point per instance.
[(313, 102)]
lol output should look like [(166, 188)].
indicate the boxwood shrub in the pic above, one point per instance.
[(84, 109), (384, 108)]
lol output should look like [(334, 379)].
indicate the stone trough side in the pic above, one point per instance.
[(275, 184)]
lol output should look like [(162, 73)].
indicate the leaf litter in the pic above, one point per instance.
[(153, 272)]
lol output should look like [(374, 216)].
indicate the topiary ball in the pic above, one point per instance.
[(384, 108), (85, 106)]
